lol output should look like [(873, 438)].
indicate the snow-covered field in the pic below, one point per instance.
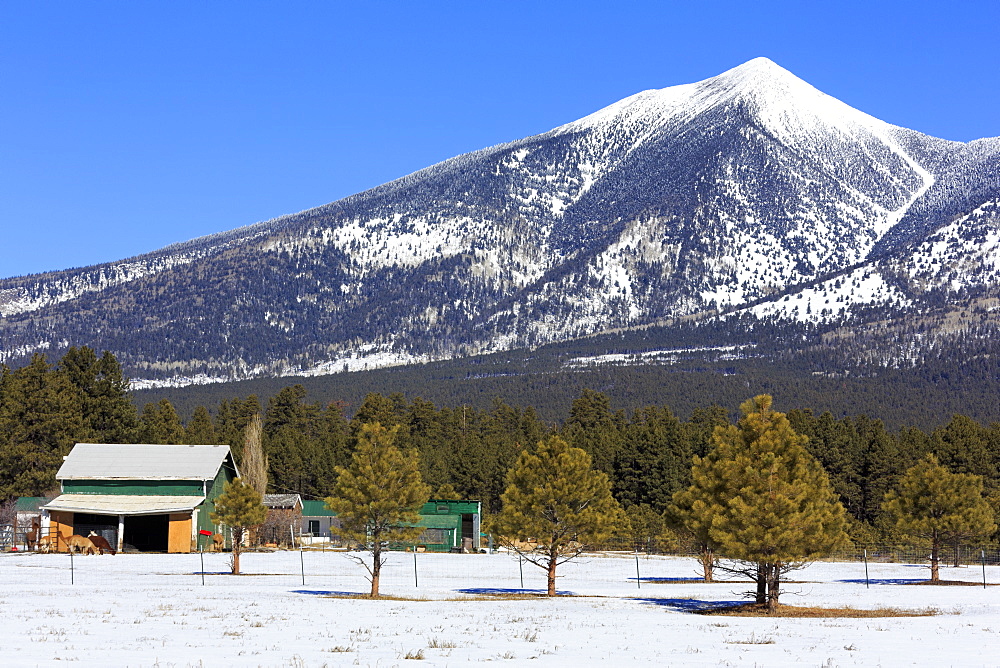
[(153, 610)]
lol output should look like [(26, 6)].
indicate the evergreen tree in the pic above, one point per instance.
[(962, 446), (387, 411), (838, 448), (41, 417), (199, 430), (289, 461), (694, 509), (555, 497), (939, 506), (286, 409), (446, 493), (159, 424), (436, 435), (701, 426), (488, 450), (883, 459), (108, 412), (654, 460), (595, 429), (647, 530), (240, 508), (232, 419), (777, 510), (377, 498)]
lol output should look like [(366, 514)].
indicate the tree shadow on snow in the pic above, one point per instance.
[(689, 604), (327, 592), (654, 579), (886, 581), (500, 591)]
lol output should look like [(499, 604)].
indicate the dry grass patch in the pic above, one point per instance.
[(501, 596), (951, 583), (380, 597), (758, 610)]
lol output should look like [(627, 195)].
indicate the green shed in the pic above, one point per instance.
[(450, 526)]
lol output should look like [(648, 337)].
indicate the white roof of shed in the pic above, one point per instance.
[(279, 501), (123, 504), (104, 461)]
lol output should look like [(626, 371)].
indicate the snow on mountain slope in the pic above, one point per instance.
[(35, 292), (958, 257), (699, 197), (963, 254)]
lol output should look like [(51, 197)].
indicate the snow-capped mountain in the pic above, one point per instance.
[(751, 191)]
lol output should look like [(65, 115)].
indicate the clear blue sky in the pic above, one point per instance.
[(127, 126)]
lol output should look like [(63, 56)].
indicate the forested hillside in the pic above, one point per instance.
[(647, 450), (688, 366)]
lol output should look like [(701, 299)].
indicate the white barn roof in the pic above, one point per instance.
[(104, 461), (123, 504)]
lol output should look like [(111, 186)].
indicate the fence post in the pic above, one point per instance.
[(71, 574), (416, 582), (302, 565), (201, 553), (866, 569), (638, 580), (520, 565), (983, 556)]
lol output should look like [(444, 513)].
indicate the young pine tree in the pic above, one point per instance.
[(770, 505), (932, 503), (377, 498), (694, 508), (555, 497), (240, 508)]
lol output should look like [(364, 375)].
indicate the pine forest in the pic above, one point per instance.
[(647, 452)]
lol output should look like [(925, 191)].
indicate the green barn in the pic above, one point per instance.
[(147, 497)]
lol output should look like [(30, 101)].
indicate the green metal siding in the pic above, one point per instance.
[(443, 519), (135, 487), (450, 508), (225, 474), (444, 533)]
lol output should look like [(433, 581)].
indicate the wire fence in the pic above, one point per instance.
[(962, 554), (338, 572)]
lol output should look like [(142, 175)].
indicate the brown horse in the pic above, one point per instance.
[(80, 544), (100, 543), (31, 537)]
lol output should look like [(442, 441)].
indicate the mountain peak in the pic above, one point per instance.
[(775, 95), (760, 78)]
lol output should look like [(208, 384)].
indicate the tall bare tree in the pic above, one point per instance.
[(254, 466)]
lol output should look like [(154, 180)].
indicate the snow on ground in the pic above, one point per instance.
[(153, 610)]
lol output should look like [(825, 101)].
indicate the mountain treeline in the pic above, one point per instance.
[(648, 453)]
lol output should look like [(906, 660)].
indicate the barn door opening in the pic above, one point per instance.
[(147, 533), (105, 526)]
